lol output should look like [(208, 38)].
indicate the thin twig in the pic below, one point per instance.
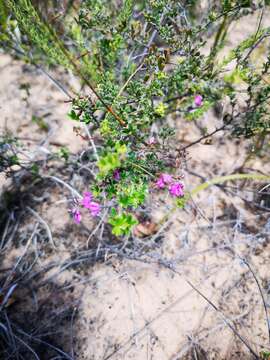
[(69, 187), (91, 141), (261, 293), (223, 127), (226, 321), (39, 218)]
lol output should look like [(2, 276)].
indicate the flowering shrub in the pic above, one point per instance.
[(142, 62)]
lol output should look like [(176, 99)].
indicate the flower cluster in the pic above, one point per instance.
[(198, 100), (116, 175), (88, 203), (152, 140), (176, 189)]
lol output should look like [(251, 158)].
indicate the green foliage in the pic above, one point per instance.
[(64, 153), (40, 123), (38, 31), (160, 109), (11, 160), (265, 355), (34, 169), (108, 163), (181, 202), (3, 17), (197, 113), (111, 160), (143, 62), (237, 53), (132, 195), (8, 153), (121, 223)]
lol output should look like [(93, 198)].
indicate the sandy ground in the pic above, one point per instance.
[(146, 308)]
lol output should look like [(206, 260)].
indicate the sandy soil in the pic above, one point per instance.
[(146, 308)]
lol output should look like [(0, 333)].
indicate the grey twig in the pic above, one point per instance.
[(43, 222)]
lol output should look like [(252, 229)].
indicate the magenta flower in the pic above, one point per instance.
[(164, 180), (160, 183), (94, 208), (116, 175), (87, 198), (198, 100), (177, 189), (88, 203), (77, 217)]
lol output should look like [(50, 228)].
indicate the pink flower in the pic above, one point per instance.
[(87, 202), (177, 189), (76, 215), (163, 180), (167, 178), (152, 140), (94, 208), (160, 183), (198, 100), (116, 175), (87, 198)]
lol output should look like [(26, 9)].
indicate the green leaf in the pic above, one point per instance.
[(72, 114), (64, 153), (108, 163), (122, 223), (132, 195)]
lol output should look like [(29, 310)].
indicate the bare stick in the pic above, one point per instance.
[(69, 187), (262, 296), (226, 321), (39, 218), (91, 141)]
